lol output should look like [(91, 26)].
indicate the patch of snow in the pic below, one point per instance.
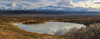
[(17, 6)]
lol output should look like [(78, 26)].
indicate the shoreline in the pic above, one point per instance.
[(6, 20)]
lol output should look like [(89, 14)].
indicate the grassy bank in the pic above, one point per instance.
[(87, 20), (9, 31)]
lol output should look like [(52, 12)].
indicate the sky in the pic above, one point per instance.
[(66, 5)]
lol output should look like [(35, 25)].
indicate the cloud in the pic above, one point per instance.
[(27, 4), (88, 5), (42, 2), (97, 2)]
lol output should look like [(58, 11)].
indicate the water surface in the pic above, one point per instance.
[(55, 28)]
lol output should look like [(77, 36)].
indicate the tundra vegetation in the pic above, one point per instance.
[(10, 31)]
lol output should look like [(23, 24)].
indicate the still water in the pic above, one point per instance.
[(55, 28)]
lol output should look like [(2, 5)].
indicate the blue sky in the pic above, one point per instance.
[(75, 5)]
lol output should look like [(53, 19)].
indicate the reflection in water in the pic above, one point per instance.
[(55, 28)]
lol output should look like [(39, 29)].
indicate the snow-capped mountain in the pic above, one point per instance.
[(62, 5), (16, 6)]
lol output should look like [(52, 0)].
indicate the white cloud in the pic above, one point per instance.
[(88, 5), (27, 4)]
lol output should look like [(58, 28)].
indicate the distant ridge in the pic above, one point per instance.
[(30, 12), (45, 13)]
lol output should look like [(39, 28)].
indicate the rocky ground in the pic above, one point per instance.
[(91, 32)]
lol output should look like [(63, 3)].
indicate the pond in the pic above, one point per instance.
[(54, 28)]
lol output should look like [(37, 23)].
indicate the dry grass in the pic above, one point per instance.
[(9, 31), (91, 32)]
